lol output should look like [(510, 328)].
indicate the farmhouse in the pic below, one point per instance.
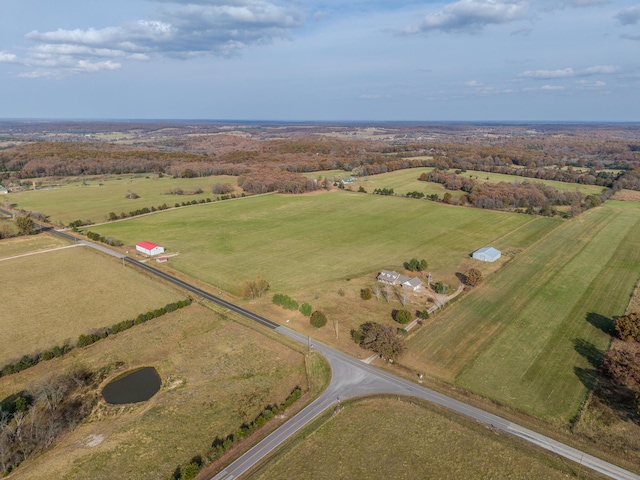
[(3, 190), (149, 248), (487, 254), (394, 278)]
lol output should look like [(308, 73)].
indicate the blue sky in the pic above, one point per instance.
[(465, 60)]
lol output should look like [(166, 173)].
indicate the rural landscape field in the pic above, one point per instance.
[(272, 241)]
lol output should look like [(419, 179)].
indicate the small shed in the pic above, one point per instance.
[(487, 254), (149, 248), (3, 190)]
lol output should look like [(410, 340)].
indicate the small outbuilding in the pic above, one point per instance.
[(3, 190), (487, 254), (149, 248)]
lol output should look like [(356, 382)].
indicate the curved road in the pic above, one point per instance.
[(351, 378)]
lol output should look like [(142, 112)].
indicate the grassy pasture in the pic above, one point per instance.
[(95, 197), (304, 244), (216, 374), (531, 336), (58, 295), (386, 438)]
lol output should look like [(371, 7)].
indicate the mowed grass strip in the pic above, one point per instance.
[(94, 198), (216, 374), (385, 438), (524, 337), (56, 296), (304, 244)]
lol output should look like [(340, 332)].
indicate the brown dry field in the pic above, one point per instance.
[(216, 374), (377, 438), (627, 196), (10, 247), (58, 295)]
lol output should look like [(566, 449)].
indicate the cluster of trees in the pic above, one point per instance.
[(220, 445), (285, 301), (269, 180), (222, 188), (27, 361), (30, 421), (383, 191), (506, 195), (620, 368), (141, 211), (255, 288), (415, 265), (96, 237), (385, 340)]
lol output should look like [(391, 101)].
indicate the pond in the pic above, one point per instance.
[(132, 387)]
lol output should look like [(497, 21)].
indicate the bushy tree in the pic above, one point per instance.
[(382, 339), (402, 316), (365, 293), (318, 319), (306, 309), (416, 265), (255, 288), (628, 327), (473, 277), (25, 225)]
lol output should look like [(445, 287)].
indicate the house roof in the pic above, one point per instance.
[(388, 276), (147, 245), (414, 282), (492, 252)]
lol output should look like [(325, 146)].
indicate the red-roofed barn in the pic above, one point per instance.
[(149, 248)]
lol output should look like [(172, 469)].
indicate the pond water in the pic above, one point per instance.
[(132, 387)]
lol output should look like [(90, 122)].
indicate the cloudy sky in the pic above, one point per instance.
[(512, 60)]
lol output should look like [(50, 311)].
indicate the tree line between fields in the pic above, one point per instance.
[(28, 361), (220, 445)]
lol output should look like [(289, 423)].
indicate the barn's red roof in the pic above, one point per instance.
[(147, 245)]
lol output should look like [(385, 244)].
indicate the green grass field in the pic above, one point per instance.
[(304, 244), (58, 295), (216, 374), (94, 198), (531, 336), (385, 438)]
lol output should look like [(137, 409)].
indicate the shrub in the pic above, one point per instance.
[(306, 309), (357, 336), (318, 319), (473, 277), (285, 301), (423, 314), (402, 316), (365, 293)]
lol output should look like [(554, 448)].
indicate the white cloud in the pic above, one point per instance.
[(546, 74), (7, 57), (473, 83), (471, 16), (551, 87), (184, 29), (569, 72), (629, 16)]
